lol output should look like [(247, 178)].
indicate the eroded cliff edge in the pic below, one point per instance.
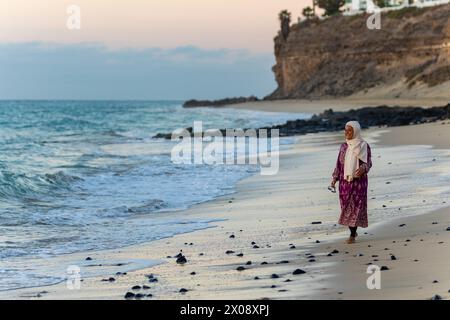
[(340, 56)]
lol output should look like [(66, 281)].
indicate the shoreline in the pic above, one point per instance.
[(341, 104), (269, 213)]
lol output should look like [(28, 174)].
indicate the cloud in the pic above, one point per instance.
[(91, 71)]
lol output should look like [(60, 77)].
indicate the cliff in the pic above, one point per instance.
[(340, 56)]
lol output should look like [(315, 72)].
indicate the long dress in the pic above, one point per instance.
[(353, 195)]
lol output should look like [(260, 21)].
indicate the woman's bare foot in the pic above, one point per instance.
[(350, 240)]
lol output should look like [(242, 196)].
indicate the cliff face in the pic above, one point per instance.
[(340, 56)]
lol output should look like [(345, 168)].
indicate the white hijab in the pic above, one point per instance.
[(357, 150)]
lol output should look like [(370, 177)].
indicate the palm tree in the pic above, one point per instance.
[(331, 7), (380, 3), (308, 13), (285, 21)]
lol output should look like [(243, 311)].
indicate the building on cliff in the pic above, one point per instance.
[(352, 7)]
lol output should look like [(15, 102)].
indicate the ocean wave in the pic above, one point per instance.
[(23, 186), (60, 178), (121, 135), (70, 123), (150, 206)]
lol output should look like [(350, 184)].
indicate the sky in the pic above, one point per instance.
[(139, 49)]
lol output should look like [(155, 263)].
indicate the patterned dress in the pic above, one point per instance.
[(353, 195)]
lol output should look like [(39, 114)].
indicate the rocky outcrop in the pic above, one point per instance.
[(340, 56), (218, 103), (329, 120)]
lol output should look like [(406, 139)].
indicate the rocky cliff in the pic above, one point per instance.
[(340, 56)]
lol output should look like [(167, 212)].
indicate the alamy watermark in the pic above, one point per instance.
[(74, 19), (374, 20), (227, 147), (374, 280), (73, 281)]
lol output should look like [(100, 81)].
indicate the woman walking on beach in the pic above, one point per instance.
[(352, 166)]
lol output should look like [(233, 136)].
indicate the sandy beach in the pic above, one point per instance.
[(343, 104), (158, 151), (268, 242)]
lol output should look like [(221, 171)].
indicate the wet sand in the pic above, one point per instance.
[(271, 235)]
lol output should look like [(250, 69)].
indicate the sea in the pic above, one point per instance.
[(77, 176)]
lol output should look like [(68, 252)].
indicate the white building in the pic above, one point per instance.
[(357, 6)]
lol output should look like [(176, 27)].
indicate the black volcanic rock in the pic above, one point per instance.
[(181, 260), (298, 271), (218, 103), (129, 295)]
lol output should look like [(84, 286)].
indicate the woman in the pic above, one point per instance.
[(352, 166)]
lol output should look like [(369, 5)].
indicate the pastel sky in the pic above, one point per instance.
[(142, 49)]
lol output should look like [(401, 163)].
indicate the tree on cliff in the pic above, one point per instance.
[(308, 13), (285, 21), (331, 7), (380, 3)]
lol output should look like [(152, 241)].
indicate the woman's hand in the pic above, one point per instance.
[(359, 172), (333, 183)]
